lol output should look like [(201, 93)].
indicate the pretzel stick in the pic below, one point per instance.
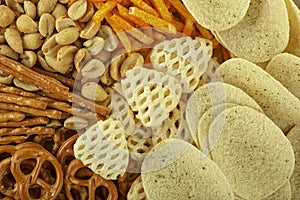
[(67, 81), (26, 122), (39, 130), (13, 90), (54, 114), (22, 101), (40, 80), (13, 139), (12, 116)]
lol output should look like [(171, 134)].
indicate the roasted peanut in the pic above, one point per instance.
[(50, 47), (67, 36), (106, 79), (94, 45), (45, 6), (115, 66), (59, 10), (46, 24), (111, 41), (133, 60), (65, 54), (75, 123), (90, 30), (89, 13), (30, 9), (64, 22), (26, 24), (2, 39), (103, 56), (63, 1), (7, 16), (93, 69), (5, 78), (14, 5), (54, 123), (57, 66), (32, 41), (9, 52), (25, 86), (77, 9), (93, 91), (82, 56), (43, 63), (29, 58), (14, 40)]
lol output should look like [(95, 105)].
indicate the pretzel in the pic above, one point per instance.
[(28, 75), (11, 116), (5, 171), (51, 142), (54, 114), (125, 182), (39, 130), (92, 183), (27, 180), (65, 153), (26, 122), (22, 101), (17, 91)]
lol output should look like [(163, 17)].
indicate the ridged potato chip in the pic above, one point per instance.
[(136, 191), (217, 15), (174, 169), (294, 137), (285, 68), (276, 101), (184, 58), (294, 20), (260, 35), (103, 149), (252, 151), (212, 94)]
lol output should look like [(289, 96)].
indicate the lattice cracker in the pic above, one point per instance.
[(103, 148), (140, 76), (184, 58)]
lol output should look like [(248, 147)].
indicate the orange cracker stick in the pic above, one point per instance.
[(204, 32), (163, 10), (38, 130), (11, 116), (132, 31), (54, 114), (152, 20), (104, 10), (215, 43), (188, 27), (26, 122), (144, 6), (179, 26), (124, 12), (22, 101), (225, 53), (181, 9), (13, 90)]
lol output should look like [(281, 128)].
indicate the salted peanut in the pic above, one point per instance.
[(111, 41), (64, 22), (94, 45), (25, 86), (29, 58), (14, 5), (134, 60), (93, 91), (115, 66), (93, 69), (77, 9), (45, 6), (30, 9), (88, 14), (63, 1), (57, 66), (6, 78), (75, 123), (67, 36), (43, 63), (81, 56), (106, 79), (103, 56), (26, 24), (32, 41), (66, 54), (54, 123), (90, 30), (7, 16), (14, 40), (59, 10), (50, 46), (9, 52), (2, 39), (46, 24)]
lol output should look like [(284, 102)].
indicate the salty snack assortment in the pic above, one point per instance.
[(140, 99)]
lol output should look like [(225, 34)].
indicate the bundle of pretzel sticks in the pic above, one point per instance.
[(39, 127)]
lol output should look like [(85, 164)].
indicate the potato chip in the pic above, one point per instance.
[(217, 15), (285, 68), (174, 169), (252, 151), (260, 35), (212, 94), (294, 137), (276, 101), (136, 191), (294, 20), (103, 149), (183, 58)]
